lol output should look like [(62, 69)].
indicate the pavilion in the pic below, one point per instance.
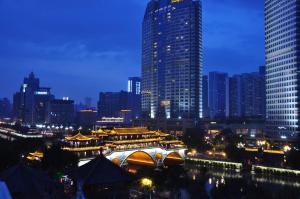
[(100, 174)]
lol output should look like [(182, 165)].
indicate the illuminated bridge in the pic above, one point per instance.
[(124, 146), (154, 157)]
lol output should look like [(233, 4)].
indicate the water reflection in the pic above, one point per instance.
[(193, 181)]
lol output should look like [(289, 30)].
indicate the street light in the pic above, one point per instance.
[(147, 184)]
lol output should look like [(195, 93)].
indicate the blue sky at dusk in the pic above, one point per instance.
[(79, 48)]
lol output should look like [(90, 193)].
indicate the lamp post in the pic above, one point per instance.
[(147, 184)]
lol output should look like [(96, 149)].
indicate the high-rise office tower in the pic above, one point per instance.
[(134, 96), (172, 59), (42, 97), (218, 95), (30, 103), (282, 46), (29, 87)]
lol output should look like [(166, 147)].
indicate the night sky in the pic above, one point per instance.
[(79, 47)]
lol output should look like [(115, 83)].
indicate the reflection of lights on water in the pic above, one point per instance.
[(210, 181)]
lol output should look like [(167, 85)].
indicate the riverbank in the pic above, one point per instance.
[(239, 167)]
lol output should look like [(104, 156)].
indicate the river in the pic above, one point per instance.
[(195, 182)]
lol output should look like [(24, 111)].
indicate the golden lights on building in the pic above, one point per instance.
[(118, 139)]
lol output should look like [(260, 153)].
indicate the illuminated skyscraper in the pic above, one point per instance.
[(134, 96), (172, 59), (282, 67)]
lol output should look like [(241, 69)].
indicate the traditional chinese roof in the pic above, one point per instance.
[(171, 142), (101, 171), (80, 137), (37, 154), (120, 142), (161, 134), (132, 131), (99, 133), (78, 149)]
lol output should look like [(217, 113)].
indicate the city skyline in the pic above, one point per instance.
[(54, 61)]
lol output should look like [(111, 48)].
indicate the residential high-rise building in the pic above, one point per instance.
[(247, 95), (134, 96), (172, 59), (235, 108), (218, 95), (252, 98), (205, 96), (282, 47)]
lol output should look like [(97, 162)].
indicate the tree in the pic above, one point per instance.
[(194, 138), (293, 158), (56, 160)]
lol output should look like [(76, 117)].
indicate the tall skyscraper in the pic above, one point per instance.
[(218, 95), (282, 47), (30, 103), (29, 87), (172, 59)]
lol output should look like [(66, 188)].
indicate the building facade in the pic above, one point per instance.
[(218, 95), (247, 95), (235, 106), (172, 59), (42, 97), (5, 108), (134, 96), (282, 47), (112, 103), (252, 95), (61, 112), (30, 103), (205, 96)]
